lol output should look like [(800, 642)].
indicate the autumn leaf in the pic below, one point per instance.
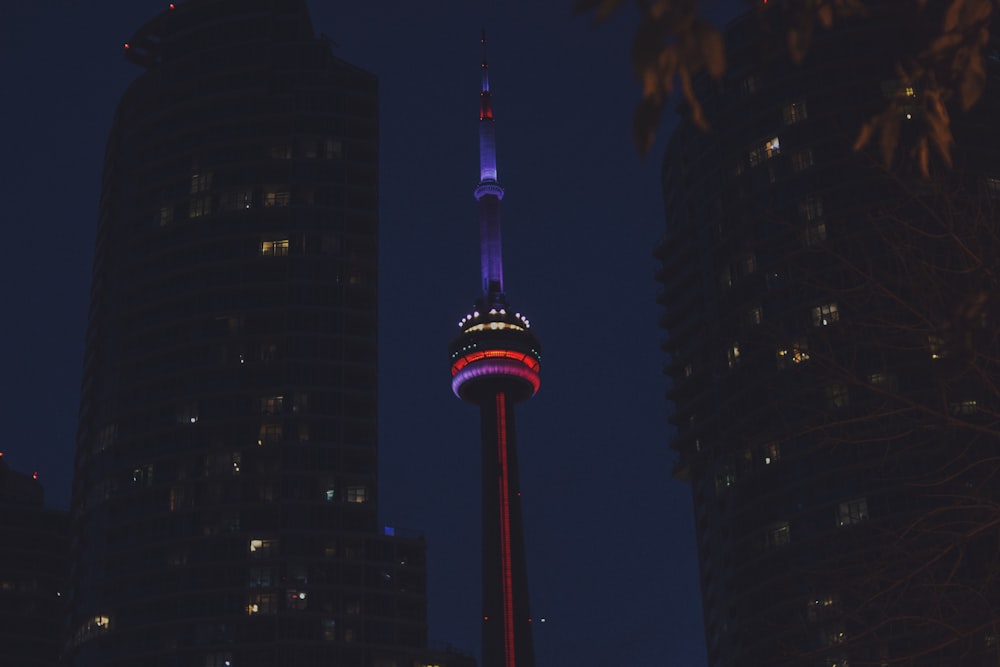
[(713, 48), (864, 136), (603, 9), (644, 122), (889, 135), (973, 81)]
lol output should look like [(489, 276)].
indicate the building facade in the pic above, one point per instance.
[(495, 364), (34, 566), (224, 496), (832, 339)]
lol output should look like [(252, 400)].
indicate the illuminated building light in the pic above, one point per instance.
[(524, 357), (127, 46), (495, 368), (494, 326), (172, 6), (34, 475)]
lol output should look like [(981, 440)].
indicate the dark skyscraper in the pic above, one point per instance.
[(495, 364), (225, 489), (33, 571), (833, 347)]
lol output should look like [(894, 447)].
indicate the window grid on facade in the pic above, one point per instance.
[(201, 182), (778, 535), (733, 354), (811, 208), (814, 234), (200, 205), (274, 248), (793, 112), (796, 353), (356, 494), (764, 151), (852, 512), (276, 198), (825, 315), (964, 408), (802, 160)]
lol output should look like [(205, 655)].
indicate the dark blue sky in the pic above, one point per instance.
[(610, 537)]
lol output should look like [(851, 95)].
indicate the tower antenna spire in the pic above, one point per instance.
[(489, 193)]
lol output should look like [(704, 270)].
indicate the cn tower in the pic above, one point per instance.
[(495, 365)]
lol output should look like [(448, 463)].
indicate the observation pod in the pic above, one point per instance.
[(495, 349)]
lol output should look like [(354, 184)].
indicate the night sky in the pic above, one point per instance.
[(610, 535)]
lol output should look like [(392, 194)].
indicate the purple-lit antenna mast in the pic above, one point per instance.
[(489, 193)]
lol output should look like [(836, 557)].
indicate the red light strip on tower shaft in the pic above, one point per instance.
[(505, 558)]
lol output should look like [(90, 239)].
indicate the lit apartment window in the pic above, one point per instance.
[(733, 355), (269, 434), (821, 606), (778, 535), (274, 248), (764, 151), (833, 635), (166, 215), (276, 198), (793, 112), (852, 512), (811, 208), (296, 600), (748, 264), (837, 396), (796, 353), (886, 381), (772, 453), (199, 206), (218, 659), (262, 603), (236, 200), (201, 182), (963, 408), (272, 405), (825, 315), (688, 371), (267, 352), (725, 278), (755, 315), (356, 494), (802, 160), (261, 547), (993, 187), (329, 626), (814, 234), (936, 345)]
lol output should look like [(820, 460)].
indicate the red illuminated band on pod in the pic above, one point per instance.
[(471, 357), (505, 555), (495, 368)]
